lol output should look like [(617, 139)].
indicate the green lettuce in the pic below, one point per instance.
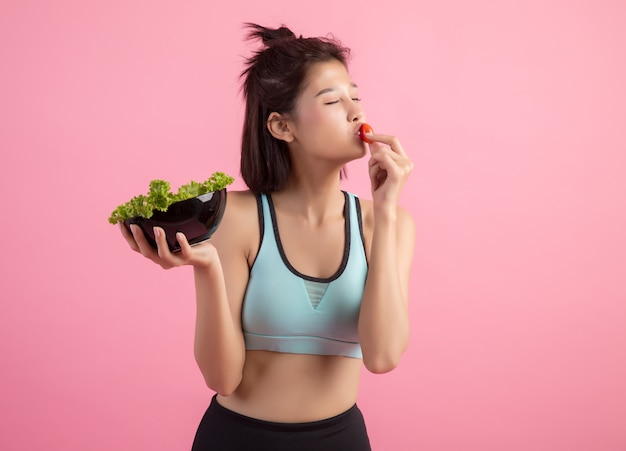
[(160, 197)]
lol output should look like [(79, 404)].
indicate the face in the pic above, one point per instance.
[(329, 115)]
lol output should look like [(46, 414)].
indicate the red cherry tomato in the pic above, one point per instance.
[(365, 128)]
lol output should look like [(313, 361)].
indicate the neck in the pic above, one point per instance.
[(312, 196)]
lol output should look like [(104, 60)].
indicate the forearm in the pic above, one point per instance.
[(383, 321), (218, 346)]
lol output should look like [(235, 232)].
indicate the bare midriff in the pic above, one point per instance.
[(294, 388)]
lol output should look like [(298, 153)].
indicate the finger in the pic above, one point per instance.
[(144, 247), (386, 156), (185, 247), (392, 141), (394, 167), (128, 236), (163, 249), (381, 151), (385, 162), (377, 177), (384, 153)]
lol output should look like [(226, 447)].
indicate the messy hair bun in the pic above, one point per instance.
[(273, 78), (269, 35)]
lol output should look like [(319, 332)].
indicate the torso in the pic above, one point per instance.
[(293, 388), (286, 387)]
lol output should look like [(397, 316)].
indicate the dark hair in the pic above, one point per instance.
[(272, 80)]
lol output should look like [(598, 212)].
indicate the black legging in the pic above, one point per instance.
[(222, 429)]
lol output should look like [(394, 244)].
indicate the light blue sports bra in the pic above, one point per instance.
[(286, 311)]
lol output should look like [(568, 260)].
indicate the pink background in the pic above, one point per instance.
[(514, 115)]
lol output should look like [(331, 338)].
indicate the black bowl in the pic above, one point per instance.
[(197, 218)]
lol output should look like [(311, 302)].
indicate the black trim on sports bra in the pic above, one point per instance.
[(346, 248), (259, 207), (360, 219)]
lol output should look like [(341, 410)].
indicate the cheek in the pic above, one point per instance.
[(322, 122), (312, 117), (320, 125), (313, 126)]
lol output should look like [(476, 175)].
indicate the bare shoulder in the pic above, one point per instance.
[(405, 235), (240, 224), (240, 203), (406, 223)]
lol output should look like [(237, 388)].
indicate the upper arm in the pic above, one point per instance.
[(405, 241), (235, 240)]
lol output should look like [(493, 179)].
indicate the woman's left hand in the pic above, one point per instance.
[(389, 168)]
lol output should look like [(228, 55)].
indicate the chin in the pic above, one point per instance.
[(362, 150), (354, 157)]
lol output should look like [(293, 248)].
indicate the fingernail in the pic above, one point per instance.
[(156, 231)]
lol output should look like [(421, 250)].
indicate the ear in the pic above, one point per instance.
[(279, 127)]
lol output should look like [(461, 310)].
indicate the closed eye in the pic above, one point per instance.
[(356, 99)]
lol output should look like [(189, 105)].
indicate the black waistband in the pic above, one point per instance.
[(343, 418)]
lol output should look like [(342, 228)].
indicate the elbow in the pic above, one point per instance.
[(220, 379), (382, 360), (222, 386), (224, 391), (381, 364)]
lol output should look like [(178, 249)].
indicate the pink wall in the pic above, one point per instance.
[(513, 113)]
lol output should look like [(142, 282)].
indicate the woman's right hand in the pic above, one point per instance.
[(199, 255)]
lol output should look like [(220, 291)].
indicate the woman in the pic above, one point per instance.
[(302, 283)]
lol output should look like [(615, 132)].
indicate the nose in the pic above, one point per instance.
[(356, 114)]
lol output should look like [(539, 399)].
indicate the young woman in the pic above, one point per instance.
[(302, 283)]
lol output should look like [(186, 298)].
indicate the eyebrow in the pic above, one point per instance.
[(334, 88)]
